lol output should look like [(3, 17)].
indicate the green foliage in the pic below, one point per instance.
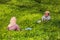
[(53, 2), (27, 13), (4, 1)]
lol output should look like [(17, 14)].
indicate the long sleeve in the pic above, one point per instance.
[(43, 18), (17, 27)]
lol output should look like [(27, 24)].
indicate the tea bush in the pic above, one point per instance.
[(27, 13)]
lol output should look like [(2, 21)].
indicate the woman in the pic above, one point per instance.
[(13, 25), (46, 16)]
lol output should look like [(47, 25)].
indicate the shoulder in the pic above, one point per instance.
[(17, 25), (49, 16), (43, 16), (9, 25)]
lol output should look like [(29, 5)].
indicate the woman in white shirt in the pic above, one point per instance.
[(46, 16)]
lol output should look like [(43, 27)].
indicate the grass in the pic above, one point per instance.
[(27, 17)]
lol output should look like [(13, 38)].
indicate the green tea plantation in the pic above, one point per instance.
[(27, 12)]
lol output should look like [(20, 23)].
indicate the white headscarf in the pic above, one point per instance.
[(12, 21)]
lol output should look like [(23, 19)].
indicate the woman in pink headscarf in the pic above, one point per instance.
[(46, 16), (13, 25)]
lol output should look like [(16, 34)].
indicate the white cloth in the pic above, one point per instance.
[(44, 18)]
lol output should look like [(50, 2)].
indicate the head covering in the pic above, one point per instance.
[(13, 19), (47, 13)]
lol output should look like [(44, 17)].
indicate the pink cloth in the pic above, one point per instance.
[(14, 27)]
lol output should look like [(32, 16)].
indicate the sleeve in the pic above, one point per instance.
[(43, 18), (49, 18), (18, 27), (9, 26)]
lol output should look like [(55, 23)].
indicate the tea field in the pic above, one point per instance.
[(27, 13)]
